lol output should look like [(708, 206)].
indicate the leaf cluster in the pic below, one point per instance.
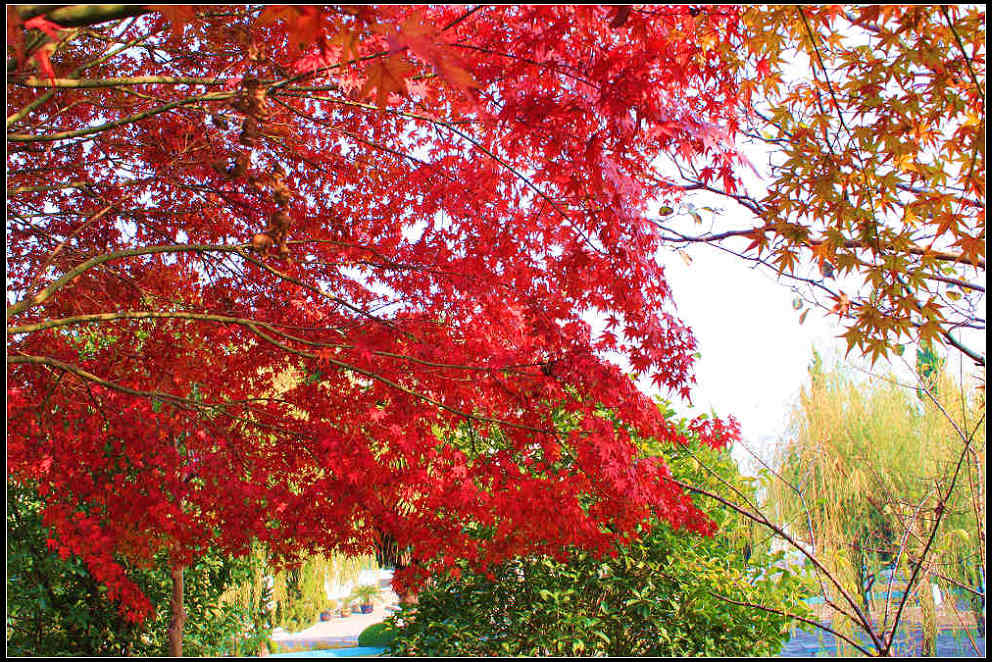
[(875, 116)]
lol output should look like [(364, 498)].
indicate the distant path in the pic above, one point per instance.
[(338, 631)]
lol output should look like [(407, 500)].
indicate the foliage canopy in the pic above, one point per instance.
[(873, 200), (413, 211), (410, 209)]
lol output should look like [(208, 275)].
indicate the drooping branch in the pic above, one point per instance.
[(760, 518), (131, 119)]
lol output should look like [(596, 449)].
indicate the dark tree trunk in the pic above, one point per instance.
[(178, 613)]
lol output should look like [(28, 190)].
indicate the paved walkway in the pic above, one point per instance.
[(337, 631)]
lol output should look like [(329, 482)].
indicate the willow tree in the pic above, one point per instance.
[(879, 484)]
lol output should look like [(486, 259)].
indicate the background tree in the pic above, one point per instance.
[(873, 209), (300, 593), (411, 208), (669, 593), (870, 472)]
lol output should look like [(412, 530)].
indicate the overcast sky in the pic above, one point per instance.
[(755, 353)]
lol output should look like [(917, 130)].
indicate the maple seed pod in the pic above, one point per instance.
[(259, 101), (240, 166), (280, 192), (249, 131), (261, 241)]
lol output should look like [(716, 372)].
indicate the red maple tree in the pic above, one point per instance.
[(320, 277)]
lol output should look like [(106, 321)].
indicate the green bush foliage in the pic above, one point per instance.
[(378, 635), (664, 595)]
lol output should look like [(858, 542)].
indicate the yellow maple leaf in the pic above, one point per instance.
[(905, 163)]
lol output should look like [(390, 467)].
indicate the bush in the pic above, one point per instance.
[(379, 635), (660, 596), (56, 608)]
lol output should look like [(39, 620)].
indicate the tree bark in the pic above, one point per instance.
[(178, 613), (80, 15)]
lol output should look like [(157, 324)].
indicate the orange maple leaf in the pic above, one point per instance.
[(842, 306), (757, 240), (823, 253)]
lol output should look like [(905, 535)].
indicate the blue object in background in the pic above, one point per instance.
[(353, 651)]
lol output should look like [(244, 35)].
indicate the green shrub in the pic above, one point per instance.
[(664, 595), (379, 635), (56, 608)]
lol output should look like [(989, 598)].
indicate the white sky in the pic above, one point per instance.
[(754, 352)]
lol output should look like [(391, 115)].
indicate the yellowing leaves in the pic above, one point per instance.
[(882, 141), (842, 306), (906, 163)]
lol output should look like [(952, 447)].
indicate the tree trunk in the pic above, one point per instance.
[(178, 613)]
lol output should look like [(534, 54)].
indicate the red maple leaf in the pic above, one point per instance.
[(386, 75)]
